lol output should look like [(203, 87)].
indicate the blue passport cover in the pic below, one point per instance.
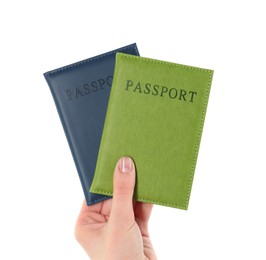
[(81, 92)]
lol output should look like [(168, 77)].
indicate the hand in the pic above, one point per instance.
[(117, 228)]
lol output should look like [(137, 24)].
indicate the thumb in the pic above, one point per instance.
[(124, 182)]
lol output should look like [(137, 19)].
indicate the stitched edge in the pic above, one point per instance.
[(146, 200), (93, 59), (98, 200), (163, 62), (199, 133), (199, 136)]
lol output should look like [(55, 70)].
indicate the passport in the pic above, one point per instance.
[(155, 115), (81, 92)]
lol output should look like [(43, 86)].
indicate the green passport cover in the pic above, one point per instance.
[(155, 115)]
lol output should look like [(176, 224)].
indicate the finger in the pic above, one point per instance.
[(143, 211), (142, 215), (92, 208), (106, 208), (124, 182)]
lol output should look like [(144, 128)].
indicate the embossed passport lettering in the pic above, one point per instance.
[(81, 92), (155, 115)]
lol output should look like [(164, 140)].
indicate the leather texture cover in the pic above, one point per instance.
[(155, 115), (81, 92)]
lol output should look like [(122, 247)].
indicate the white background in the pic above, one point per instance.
[(40, 193)]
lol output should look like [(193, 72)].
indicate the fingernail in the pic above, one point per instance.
[(125, 164)]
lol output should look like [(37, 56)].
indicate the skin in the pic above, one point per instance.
[(117, 228)]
